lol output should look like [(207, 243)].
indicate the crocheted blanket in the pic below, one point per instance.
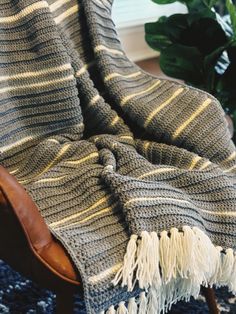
[(135, 175)]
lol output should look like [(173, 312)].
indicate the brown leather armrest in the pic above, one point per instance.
[(45, 247)]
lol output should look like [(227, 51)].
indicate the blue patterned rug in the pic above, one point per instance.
[(21, 296)]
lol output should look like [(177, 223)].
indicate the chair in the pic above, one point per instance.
[(27, 245)]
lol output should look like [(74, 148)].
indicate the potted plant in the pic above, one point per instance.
[(199, 47)]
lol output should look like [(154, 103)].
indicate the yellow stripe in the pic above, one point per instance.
[(115, 120), (128, 137), (230, 169), (14, 171), (114, 51), (161, 170), (204, 105), (35, 73), (104, 274), (146, 145), (57, 4), (194, 162), (230, 158), (53, 140), (205, 165), (140, 199), (113, 75), (158, 198), (35, 85), (99, 213), (24, 12), (105, 210), (63, 150), (94, 99), (85, 68), (77, 162), (163, 105), (229, 214), (71, 217), (17, 143), (66, 14), (102, 47), (81, 71), (51, 179), (127, 98)]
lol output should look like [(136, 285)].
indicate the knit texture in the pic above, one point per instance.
[(135, 175)]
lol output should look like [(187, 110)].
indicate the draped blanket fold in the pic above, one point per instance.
[(135, 175)]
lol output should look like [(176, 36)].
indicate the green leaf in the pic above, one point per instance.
[(232, 12), (156, 34), (210, 3), (183, 63), (176, 26), (164, 1), (204, 33)]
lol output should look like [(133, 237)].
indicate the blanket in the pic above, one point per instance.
[(135, 175)]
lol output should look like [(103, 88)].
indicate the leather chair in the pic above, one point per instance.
[(27, 245)]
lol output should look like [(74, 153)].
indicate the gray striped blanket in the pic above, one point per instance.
[(135, 175)]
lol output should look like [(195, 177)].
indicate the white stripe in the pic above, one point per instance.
[(183, 126), (106, 273), (114, 51), (79, 161), (57, 4), (66, 14), (71, 217), (127, 98), (163, 105), (161, 170), (35, 85), (36, 73), (24, 12), (113, 75)]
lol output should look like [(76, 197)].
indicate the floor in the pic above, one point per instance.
[(21, 296)]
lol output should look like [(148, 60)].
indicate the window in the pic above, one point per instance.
[(130, 17)]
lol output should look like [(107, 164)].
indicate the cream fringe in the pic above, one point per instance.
[(170, 268)]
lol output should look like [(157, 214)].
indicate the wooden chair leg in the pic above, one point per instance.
[(64, 303), (209, 294)]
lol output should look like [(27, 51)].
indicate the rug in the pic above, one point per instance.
[(19, 295)]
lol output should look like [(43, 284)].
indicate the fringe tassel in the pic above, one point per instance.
[(122, 309), (126, 273), (132, 307), (172, 267)]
